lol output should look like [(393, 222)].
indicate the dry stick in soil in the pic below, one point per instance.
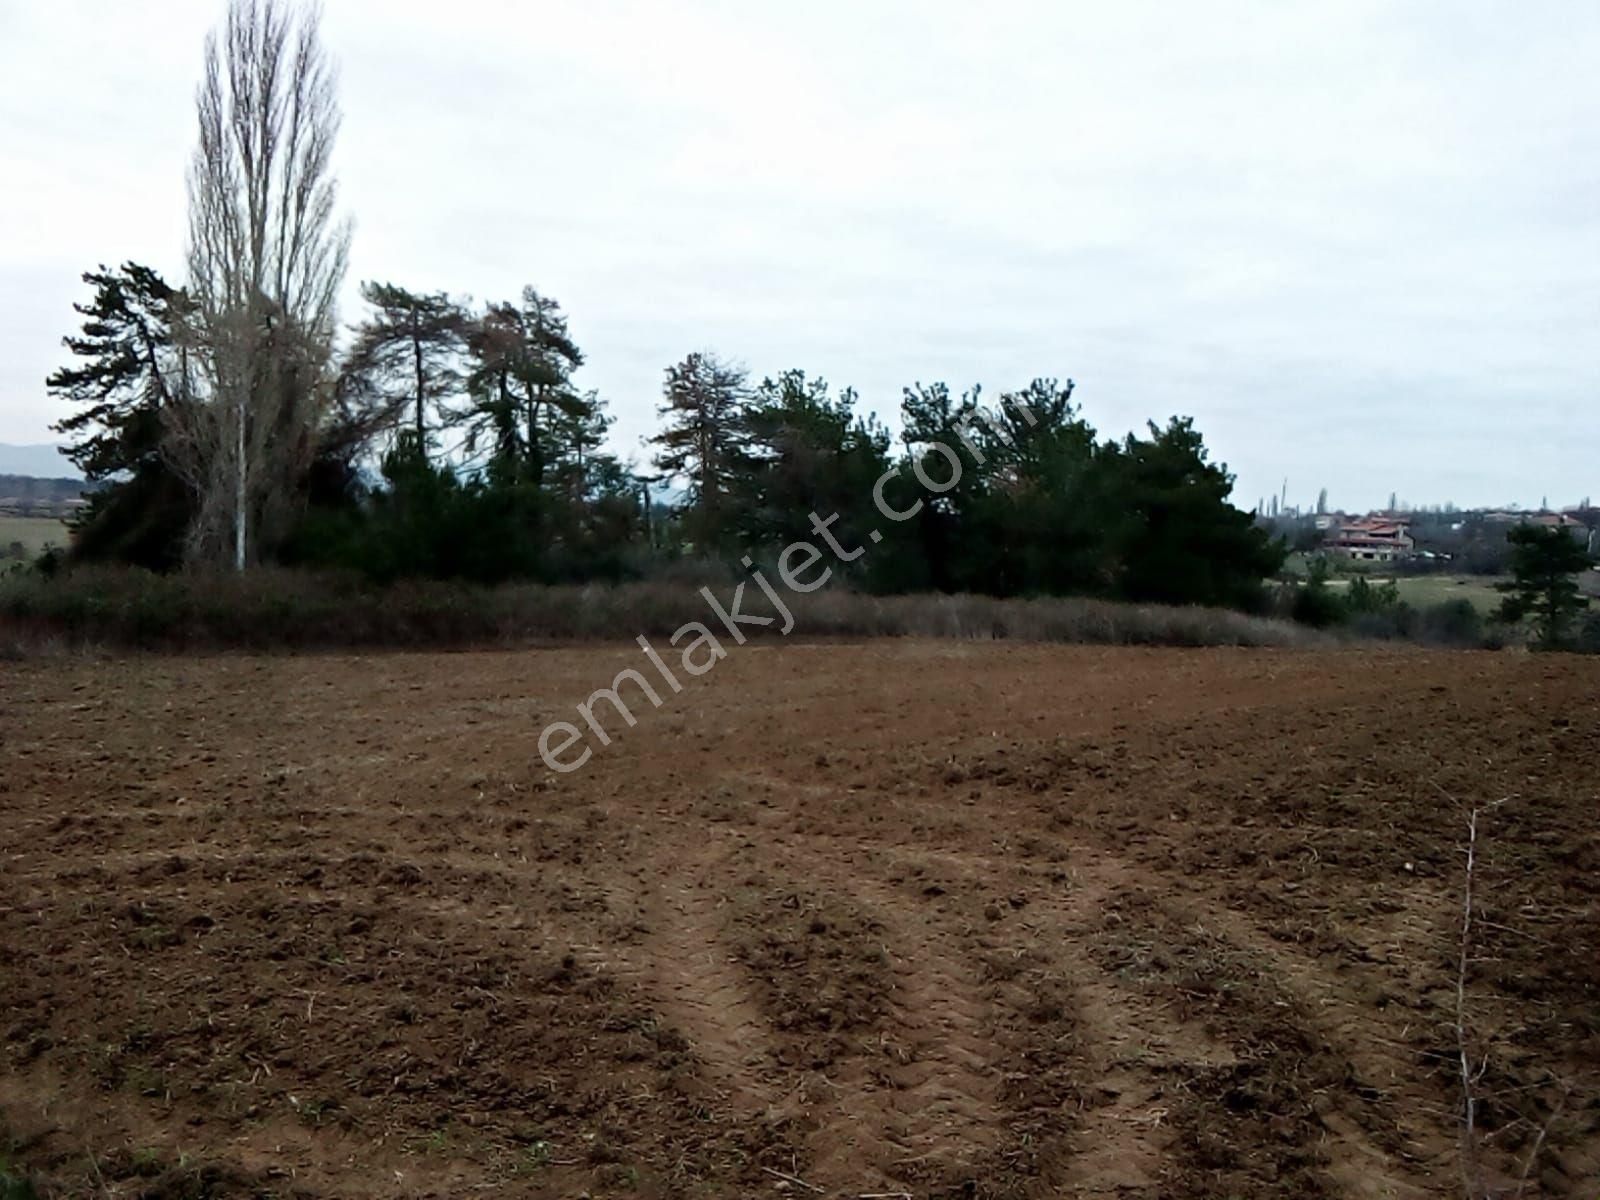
[(1471, 1180), (1469, 1104), (1471, 1176), (796, 1180), (1538, 1142)]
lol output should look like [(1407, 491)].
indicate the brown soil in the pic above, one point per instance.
[(920, 919)]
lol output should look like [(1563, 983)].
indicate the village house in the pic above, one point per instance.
[(1560, 521), (1373, 539)]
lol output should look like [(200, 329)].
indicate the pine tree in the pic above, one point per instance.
[(521, 384), (407, 355), (706, 442), (809, 453), (132, 368), (1182, 542), (1544, 560)]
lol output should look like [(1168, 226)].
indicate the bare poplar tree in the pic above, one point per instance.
[(266, 260)]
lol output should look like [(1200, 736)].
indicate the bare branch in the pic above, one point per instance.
[(266, 259)]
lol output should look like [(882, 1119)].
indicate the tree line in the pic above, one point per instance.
[(231, 423)]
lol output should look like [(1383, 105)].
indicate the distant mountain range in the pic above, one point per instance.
[(41, 460)]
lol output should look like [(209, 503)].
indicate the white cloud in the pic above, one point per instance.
[(1358, 242)]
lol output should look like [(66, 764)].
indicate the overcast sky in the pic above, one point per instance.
[(1359, 243)]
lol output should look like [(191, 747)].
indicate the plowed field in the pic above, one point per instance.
[(896, 919)]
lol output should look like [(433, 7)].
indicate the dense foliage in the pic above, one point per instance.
[(457, 446)]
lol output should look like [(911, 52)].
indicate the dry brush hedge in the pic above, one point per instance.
[(284, 609)]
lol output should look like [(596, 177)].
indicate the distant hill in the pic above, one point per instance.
[(21, 491), (41, 461)]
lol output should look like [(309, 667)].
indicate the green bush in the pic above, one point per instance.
[(1588, 641), (1452, 623), (1316, 606)]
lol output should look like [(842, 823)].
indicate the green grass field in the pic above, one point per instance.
[(1424, 591), (35, 534)]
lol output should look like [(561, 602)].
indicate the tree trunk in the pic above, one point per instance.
[(240, 491), (416, 353)]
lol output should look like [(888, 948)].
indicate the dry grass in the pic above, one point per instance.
[(271, 609)]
